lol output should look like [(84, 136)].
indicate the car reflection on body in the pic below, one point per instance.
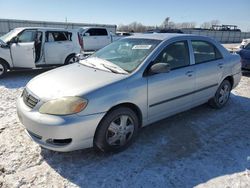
[(104, 100)]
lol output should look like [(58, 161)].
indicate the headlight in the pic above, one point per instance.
[(63, 106)]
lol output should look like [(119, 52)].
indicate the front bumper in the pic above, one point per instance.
[(77, 130)]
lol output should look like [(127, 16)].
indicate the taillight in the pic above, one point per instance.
[(80, 40)]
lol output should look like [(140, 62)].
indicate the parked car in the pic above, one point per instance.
[(244, 43), (244, 53), (38, 47), (123, 33), (95, 38), (104, 100)]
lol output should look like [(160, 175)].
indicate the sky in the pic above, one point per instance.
[(235, 12)]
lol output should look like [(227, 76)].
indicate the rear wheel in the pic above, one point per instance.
[(117, 130), (3, 69), (71, 59), (222, 95)]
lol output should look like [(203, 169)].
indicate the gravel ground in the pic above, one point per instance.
[(202, 147)]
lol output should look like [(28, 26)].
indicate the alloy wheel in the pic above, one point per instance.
[(224, 94), (120, 131)]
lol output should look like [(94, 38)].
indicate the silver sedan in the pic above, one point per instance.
[(104, 100)]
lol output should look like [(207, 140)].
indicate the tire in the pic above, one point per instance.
[(70, 59), (117, 130), (222, 95), (3, 69)]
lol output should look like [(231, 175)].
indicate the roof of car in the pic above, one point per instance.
[(45, 28), (159, 36)]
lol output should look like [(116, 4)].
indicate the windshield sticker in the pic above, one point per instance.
[(141, 47)]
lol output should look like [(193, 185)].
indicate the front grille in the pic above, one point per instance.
[(29, 100)]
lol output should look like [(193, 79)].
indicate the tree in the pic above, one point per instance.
[(208, 25)]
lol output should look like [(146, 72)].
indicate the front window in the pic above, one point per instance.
[(175, 54), (127, 53), (27, 36)]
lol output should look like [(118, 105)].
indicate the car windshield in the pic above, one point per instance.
[(8, 36), (127, 53)]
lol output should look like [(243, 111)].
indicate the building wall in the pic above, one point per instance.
[(8, 24), (221, 36)]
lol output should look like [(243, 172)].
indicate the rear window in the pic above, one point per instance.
[(97, 32), (205, 52), (55, 36)]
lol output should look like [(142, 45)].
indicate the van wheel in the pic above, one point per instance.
[(117, 130), (71, 59), (3, 69), (222, 95)]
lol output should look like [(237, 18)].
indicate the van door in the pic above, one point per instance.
[(23, 50), (57, 45)]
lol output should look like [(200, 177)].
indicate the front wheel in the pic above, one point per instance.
[(222, 95), (3, 69), (117, 130)]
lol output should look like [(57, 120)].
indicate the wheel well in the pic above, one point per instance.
[(5, 62), (128, 105), (230, 79), (73, 54), (132, 107)]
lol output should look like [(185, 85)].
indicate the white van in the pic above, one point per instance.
[(38, 47)]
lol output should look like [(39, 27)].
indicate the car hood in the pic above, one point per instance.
[(72, 80)]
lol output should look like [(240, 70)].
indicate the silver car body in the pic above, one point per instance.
[(153, 97)]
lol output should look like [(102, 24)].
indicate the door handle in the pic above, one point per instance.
[(220, 65), (189, 73)]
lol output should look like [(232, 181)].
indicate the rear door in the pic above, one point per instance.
[(209, 68), (57, 46), (23, 52), (171, 92)]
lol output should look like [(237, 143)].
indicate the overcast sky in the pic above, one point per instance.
[(236, 12)]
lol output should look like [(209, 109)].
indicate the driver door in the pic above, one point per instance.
[(171, 92), (23, 50)]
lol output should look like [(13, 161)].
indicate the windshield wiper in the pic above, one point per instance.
[(114, 69)]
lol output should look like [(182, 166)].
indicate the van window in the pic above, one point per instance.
[(205, 51), (55, 36), (175, 54), (97, 32), (27, 36)]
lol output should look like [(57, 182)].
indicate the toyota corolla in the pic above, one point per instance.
[(104, 100)]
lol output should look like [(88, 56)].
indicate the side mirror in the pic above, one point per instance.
[(86, 34), (159, 68)]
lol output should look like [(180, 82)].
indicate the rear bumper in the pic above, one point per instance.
[(236, 79), (73, 131)]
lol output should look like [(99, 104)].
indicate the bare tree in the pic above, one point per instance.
[(165, 23), (208, 25)]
